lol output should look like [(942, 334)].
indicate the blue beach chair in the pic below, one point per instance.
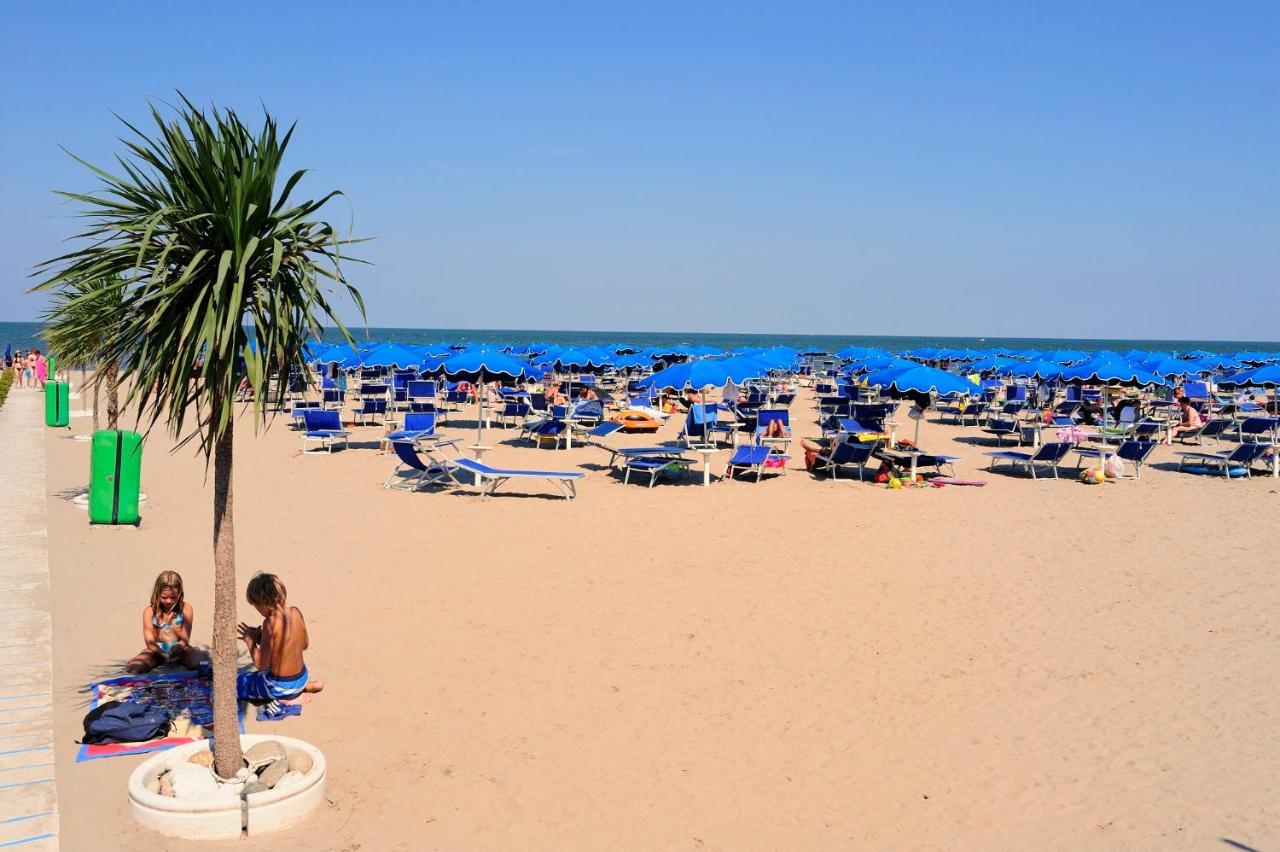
[(753, 457), (374, 410), (488, 479), (655, 467), (1003, 427), (766, 416), (420, 473), (1229, 464), (324, 426), (414, 428), (855, 455), (1047, 454), (1133, 451)]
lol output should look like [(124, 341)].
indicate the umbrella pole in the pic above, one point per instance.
[(480, 421)]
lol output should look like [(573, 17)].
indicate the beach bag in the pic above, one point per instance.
[(1114, 468), (125, 722)]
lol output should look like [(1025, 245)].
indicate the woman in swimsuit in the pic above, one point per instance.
[(166, 628), (276, 647)]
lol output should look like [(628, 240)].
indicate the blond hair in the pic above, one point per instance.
[(167, 580), (266, 590)]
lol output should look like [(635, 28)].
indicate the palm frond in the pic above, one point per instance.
[(218, 272)]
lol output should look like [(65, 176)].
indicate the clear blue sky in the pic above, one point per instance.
[(1078, 169)]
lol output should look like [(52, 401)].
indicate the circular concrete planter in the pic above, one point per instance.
[(225, 818)]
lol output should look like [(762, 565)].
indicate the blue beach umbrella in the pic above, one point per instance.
[(920, 379), (1110, 369), (480, 364), (1175, 367), (1064, 356), (1267, 376), (390, 355), (1036, 369)]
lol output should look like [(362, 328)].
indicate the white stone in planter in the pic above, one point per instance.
[(219, 818)]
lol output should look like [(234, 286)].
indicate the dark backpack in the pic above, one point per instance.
[(125, 722)]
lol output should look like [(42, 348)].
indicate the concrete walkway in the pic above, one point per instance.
[(28, 798)]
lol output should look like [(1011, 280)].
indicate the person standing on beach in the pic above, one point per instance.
[(42, 368)]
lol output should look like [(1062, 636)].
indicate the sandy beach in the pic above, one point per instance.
[(798, 663)]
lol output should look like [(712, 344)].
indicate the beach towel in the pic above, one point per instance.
[(186, 696)]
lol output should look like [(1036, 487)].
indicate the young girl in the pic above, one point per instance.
[(276, 647), (166, 628)]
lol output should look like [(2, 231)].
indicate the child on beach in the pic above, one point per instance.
[(166, 628), (276, 647)]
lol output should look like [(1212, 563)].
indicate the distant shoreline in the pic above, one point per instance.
[(24, 334)]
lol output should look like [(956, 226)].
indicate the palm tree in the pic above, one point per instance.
[(225, 284), (72, 331)]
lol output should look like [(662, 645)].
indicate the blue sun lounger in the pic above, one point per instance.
[(489, 478), (416, 426), (1133, 451), (654, 466), (1047, 454), (626, 453), (322, 425), (433, 471), (843, 454), (753, 457), (1241, 458)]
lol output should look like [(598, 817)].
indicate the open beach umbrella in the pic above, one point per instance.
[(481, 365), (570, 361), (1166, 366), (1110, 369), (1266, 376), (1064, 356), (391, 355), (920, 379), (1036, 369)]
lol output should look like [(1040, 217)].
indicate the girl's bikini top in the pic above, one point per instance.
[(176, 621)]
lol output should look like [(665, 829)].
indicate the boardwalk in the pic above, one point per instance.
[(28, 798)]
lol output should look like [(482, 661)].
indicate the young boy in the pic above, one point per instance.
[(276, 647)]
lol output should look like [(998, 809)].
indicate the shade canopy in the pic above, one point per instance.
[(920, 379)]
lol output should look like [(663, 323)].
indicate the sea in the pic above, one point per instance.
[(24, 335)]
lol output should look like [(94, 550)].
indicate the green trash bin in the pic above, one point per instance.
[(115, 477), (57, 403)]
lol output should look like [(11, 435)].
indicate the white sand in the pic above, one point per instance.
[(796, 664)]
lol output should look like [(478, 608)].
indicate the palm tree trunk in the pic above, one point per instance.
[(227, 757), (95, 404), (113, 395)]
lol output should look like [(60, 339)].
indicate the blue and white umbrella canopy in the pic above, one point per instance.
[(1036, 369), (1065, 356), (993, 364), (851, 353), (1267, 376), (920, 379), (391, 355), (1166, 366), (877, 363), (1256, 357), (707, 373), (480, 364), (586, 359), (1109, 368)]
